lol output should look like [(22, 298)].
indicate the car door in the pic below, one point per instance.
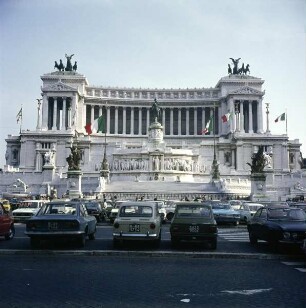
[(90, 220), (5, 220), (257, 223)]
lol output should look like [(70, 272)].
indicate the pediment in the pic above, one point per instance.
[(59, 87), (247, 90)]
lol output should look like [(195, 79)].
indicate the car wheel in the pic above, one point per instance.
[(11, 233), (81, 241), (92, 236), (116, 243), (174, 241), (213, 244), (157, 241), (34, 242), (253, 238), (170, 216)]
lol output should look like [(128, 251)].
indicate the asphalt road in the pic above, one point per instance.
[(45, 281), (237, 274)]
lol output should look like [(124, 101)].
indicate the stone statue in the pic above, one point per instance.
[(235, 62), (59, 66), (74, 158), (155, 110), (75, 66), (69, 65), (258, 161), (48, 157)]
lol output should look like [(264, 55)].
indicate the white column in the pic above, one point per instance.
[(132, 120), (92, 114), (211, 116), (179, 132), (259, 117), (64, 114), (108, 120), (148, 119), (203, 118), (232, 118), (195, 121), (54, 127), (241, 118), (139, 121), (164, 118), (116, 120), (187, 121), (124, 121), (250, 118), (45, 112), (171, 121)]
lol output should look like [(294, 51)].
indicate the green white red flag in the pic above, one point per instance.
[(209, 126), (96, 126), (282, 117)]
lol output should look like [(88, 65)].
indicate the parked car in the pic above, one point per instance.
[(300, 205), (7, 228), (27, 209), (247, 210), (6, 204), (61, 220), (193, 221), (94, 208), (276, 224), (114, 211), (137, 220), (224, 213)]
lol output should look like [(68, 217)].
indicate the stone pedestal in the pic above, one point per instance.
[(258, 187), (74, 183), (48, 173)]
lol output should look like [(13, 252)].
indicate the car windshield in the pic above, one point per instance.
[(193, 211), (28, 205), (221, 206), (92, 205), (286, 214), (253, 207), (63, 208), (136, 211)]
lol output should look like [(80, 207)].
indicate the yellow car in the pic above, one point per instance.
[(5, 204)]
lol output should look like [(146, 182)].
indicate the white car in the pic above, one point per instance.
[(27, 209), (137, 220)]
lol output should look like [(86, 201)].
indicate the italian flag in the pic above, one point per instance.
[(96, 126), (226, 117), (209, 126), (282, 117)]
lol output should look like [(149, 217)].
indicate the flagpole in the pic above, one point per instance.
[(286, 121), (21, 120)]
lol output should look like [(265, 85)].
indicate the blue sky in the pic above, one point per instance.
[(153, 44)]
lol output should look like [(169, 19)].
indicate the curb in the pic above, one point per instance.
[(159, 254)]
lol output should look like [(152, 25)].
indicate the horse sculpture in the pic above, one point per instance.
[(258, 161), (59, 66)]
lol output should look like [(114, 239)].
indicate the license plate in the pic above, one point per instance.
[(194, 229), (134, 228), (53, 225)]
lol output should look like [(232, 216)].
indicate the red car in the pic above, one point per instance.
[(7, 228)]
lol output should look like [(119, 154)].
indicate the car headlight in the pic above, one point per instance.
[(286, 235)]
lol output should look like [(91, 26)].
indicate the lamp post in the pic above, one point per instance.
[(104, 170), (267, 112), (215, 167), (38, 112)]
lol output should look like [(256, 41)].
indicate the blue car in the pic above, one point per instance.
[(278, 224), (61, 220), (225, 214)]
